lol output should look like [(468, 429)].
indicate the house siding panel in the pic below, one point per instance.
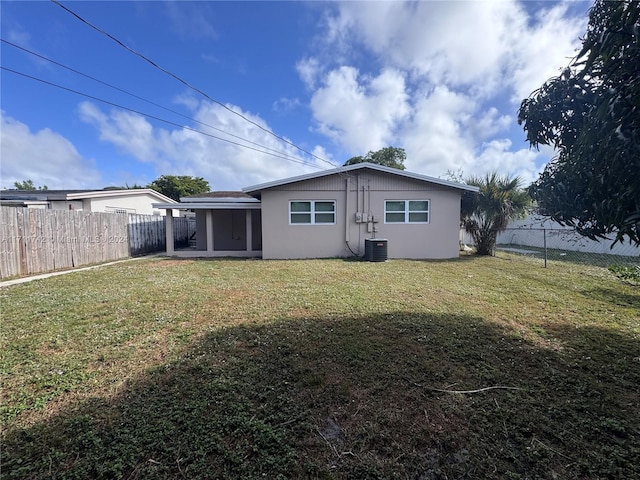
[(323, 184), (367, 194), (282, 240), (140, 204)]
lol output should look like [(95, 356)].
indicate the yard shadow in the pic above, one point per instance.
[(616, 297), (357, 397)]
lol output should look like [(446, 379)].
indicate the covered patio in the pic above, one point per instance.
[(228, 224)]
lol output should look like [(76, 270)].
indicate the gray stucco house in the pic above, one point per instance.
[(328, 214)]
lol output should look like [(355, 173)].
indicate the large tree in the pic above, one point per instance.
[(591, 116), (393, 157), (176, 186), (488, 212)]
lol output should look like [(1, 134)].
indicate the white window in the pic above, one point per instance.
[(312, 212), (406, 211)]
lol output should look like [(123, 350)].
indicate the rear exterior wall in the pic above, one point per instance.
[(364, 192)]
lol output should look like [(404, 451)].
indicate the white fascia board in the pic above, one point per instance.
[(359, 166), (219, 200), (24, 202), (208, 206), (119, 193)]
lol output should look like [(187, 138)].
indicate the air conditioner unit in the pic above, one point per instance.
[(375, 249)]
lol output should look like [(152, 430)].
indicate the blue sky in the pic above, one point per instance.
[(443, 80)]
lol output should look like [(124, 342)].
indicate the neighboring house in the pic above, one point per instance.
[(111, 201), (329, 214)]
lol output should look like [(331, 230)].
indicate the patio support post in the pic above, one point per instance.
[(249, 232), (168, 220), (209, 223)]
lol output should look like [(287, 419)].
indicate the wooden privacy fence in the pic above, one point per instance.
[(35, 241), (147, 233)]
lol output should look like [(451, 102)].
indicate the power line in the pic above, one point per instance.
[(140, 98), (282, 156), (184, 82)]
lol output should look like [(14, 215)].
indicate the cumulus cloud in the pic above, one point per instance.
[(497, 156), (248, 154), (360, 112), (435, 138), (548, 46), (442, 79), (309, 69), (452, 42), (132, 133), (41, 156)]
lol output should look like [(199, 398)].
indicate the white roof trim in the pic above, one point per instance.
[(118, 193), (24, 202), (209, 206), (358, 166), (219, 200)]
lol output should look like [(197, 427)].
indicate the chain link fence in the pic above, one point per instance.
[(566, 245)]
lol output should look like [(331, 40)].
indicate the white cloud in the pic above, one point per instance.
[(226, 165), (547, 47), (190, 19), (19, 37), (497, 156), (435, 139), (478, 45), (131, 132), (309, 69), (441, 79), (458, 43), (360, 113), (486, 124), (42, 156), (285, 104)]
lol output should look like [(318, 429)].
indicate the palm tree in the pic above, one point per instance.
[(488, 212)]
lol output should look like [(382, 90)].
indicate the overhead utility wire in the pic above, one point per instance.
[(141, 98), (184, 82), (154, 117)]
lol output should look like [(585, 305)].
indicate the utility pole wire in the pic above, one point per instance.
[(141, 98), (184, 82), (302, 162)]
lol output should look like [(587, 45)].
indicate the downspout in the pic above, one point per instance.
[(347, 216)]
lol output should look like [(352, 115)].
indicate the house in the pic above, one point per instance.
[(329, 214), (111, 201)]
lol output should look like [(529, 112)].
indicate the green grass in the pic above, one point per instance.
[(570, 256), (322, 369)]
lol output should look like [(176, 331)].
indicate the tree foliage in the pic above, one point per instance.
[(393, 157), (176, 186), (591, 115), (489, 211), (126, 186), (28, 185)]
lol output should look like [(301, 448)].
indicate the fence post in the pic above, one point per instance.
[(544, 235)]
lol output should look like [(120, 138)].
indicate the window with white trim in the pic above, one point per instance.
[(406, 211), (312, 212)]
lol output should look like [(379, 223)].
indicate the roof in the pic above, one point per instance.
[(65, 195), (359, 166), (22, 203), (222, 200), (219, 196)]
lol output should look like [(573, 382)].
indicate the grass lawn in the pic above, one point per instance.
[(322, 369)]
